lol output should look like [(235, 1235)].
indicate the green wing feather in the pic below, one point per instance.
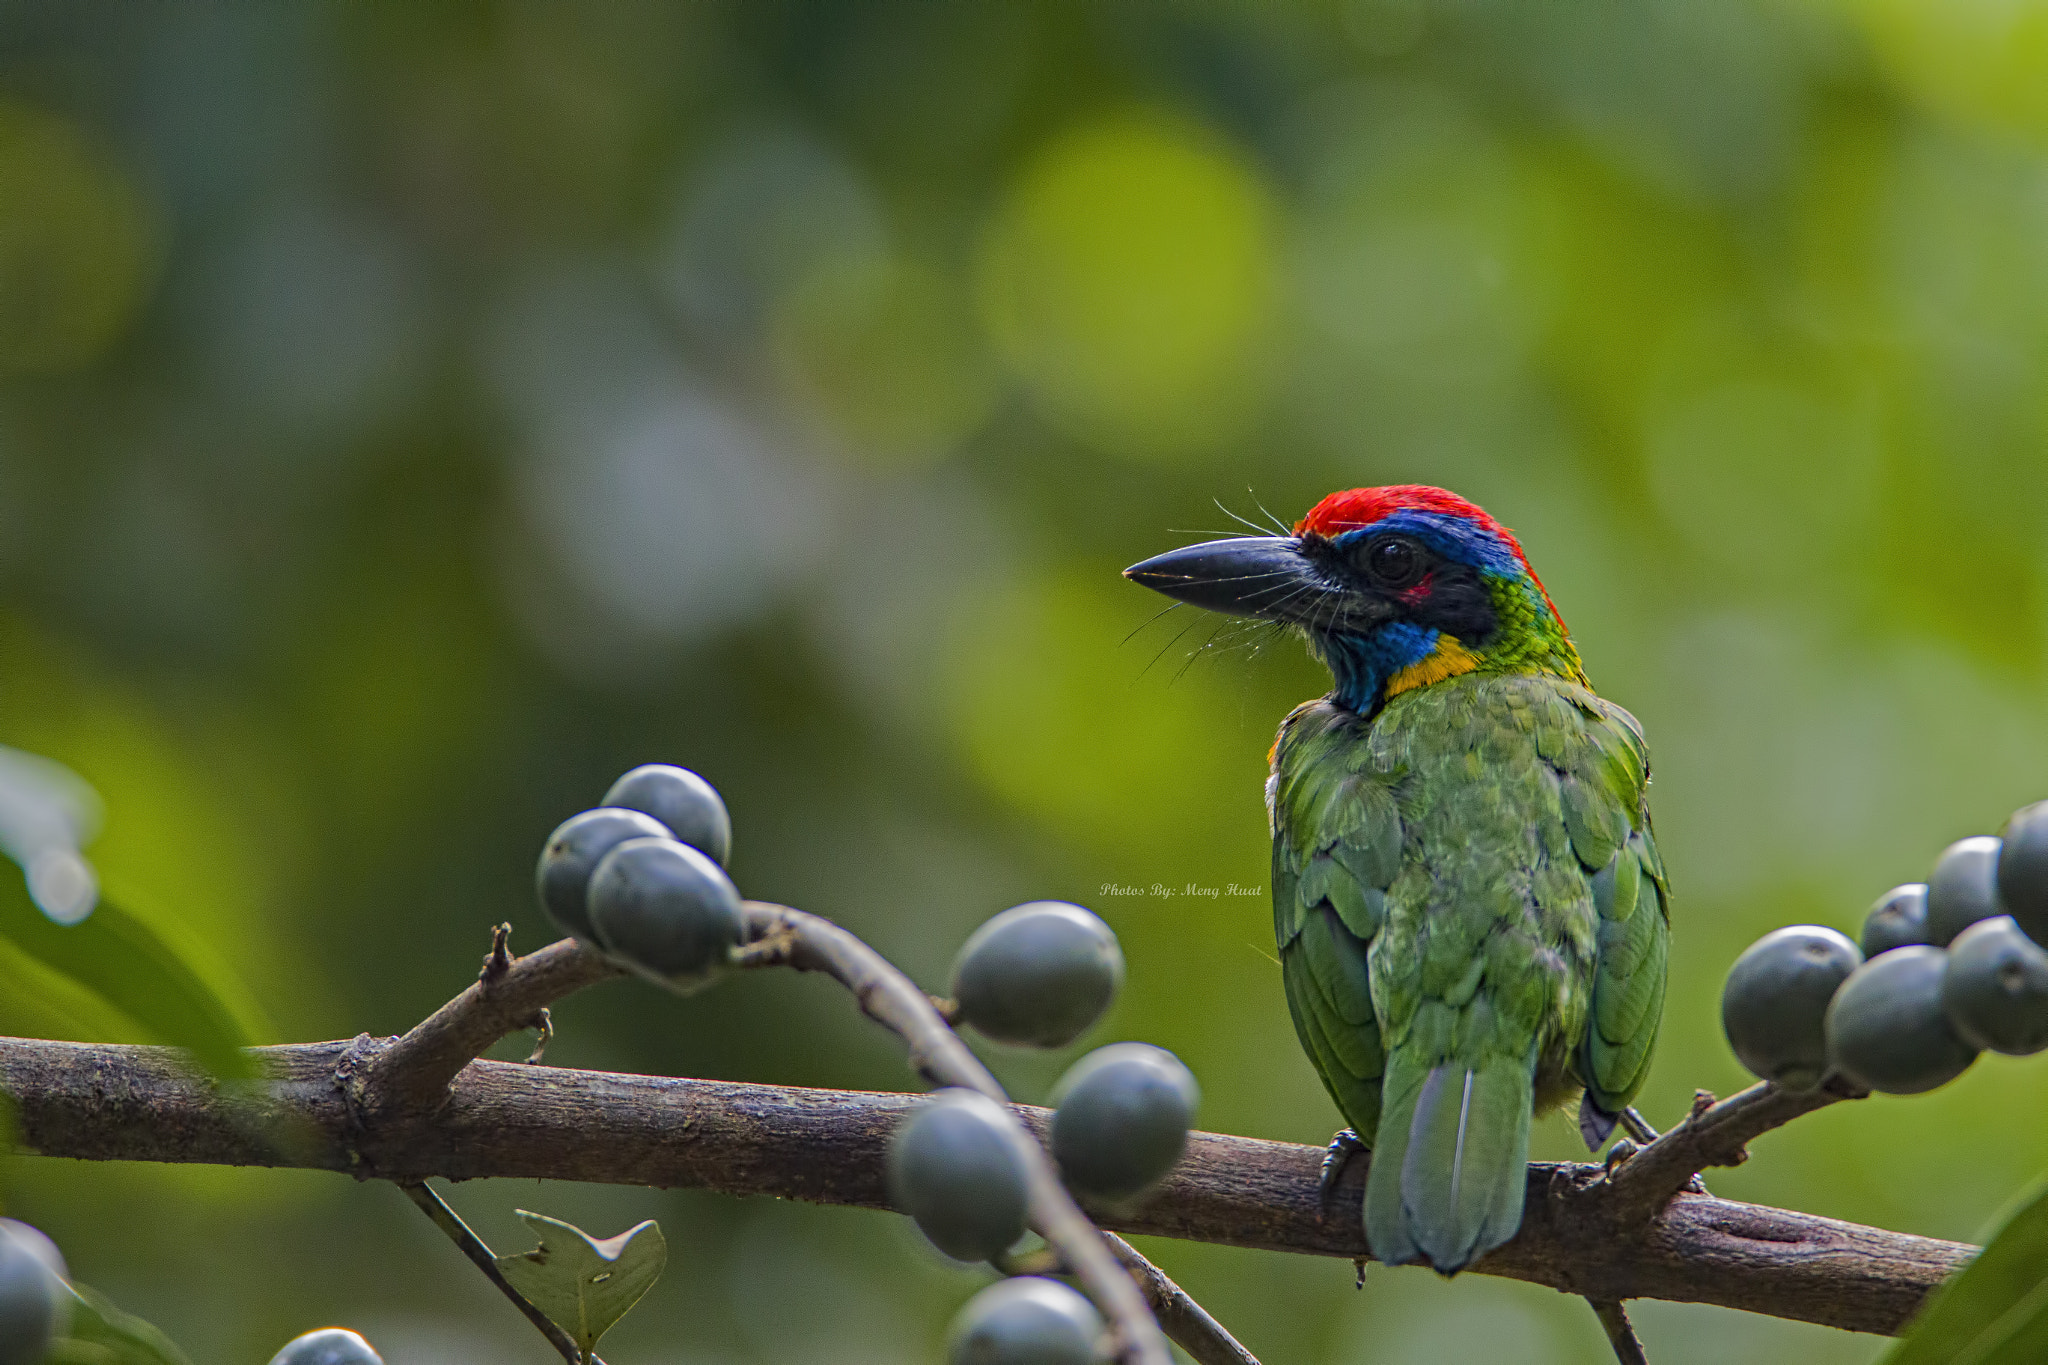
[(1632, 897), (1336, 848)]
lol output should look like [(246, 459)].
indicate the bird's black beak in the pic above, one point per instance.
[(1262, 576)]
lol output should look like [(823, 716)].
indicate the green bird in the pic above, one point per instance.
[(1472, 915)]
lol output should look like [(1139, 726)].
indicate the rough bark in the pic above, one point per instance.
[(826, 1146)]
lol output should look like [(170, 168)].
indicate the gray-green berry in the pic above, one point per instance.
[(328, 1346), (1963, 888), (660, 905), (1897, 920), (1122, 1119), (1776, 998), (2023, 870), (1996, 988), (38, 1243), (956, 1166), (32, 1294), (1887, 1030), (572, 853), (1037, 974), (1025, 1321), (691, 807)]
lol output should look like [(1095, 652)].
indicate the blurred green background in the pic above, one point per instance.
[(413, 416)]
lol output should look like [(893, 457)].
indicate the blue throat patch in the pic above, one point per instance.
[(1361, 664)]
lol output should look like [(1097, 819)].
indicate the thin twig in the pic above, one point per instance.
[(412, 1075), (893, 1000), (1180, 1317), (1628, 1348), (504, 1119), (480, 1256), (1712, 1134)]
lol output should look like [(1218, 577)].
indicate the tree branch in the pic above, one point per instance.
[(829, 1146), (412, 1076), (509, 994), (1713, 1134)]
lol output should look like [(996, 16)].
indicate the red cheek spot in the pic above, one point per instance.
[(1420, 590)]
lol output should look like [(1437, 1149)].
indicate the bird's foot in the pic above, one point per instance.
[(1346, 1145), (1637, 1126), (1640, 1130)]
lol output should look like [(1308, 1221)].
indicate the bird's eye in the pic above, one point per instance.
[(1394, 562)]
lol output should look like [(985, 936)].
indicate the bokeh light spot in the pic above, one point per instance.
[(1127, 280), (884, 352), (1982, 61), (74, 244), (318, 314), (1762, 476), (1134, 765)]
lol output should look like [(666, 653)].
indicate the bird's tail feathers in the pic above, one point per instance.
[(1595, 1124), (1450, 1162)]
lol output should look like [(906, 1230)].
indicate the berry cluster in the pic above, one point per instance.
[(1946, 969), (1037, 975), (641, 878)]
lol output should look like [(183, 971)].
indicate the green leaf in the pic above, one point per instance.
[(102, 1334), (1995, 1310), (582, 1284), (120, 958)]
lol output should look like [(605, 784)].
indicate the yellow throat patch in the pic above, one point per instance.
[(1447, 660)]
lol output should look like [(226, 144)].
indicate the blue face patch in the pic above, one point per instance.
[(1452, 537), (1362, 664)]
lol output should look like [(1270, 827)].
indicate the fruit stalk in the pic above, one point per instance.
[(1186, 1321), (808, 943)]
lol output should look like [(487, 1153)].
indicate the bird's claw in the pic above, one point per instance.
[(1621, 1151), (1637, 1126), (1346, 1145)]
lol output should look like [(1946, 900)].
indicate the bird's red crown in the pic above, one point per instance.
[(1354, 508), (1358, 507)]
